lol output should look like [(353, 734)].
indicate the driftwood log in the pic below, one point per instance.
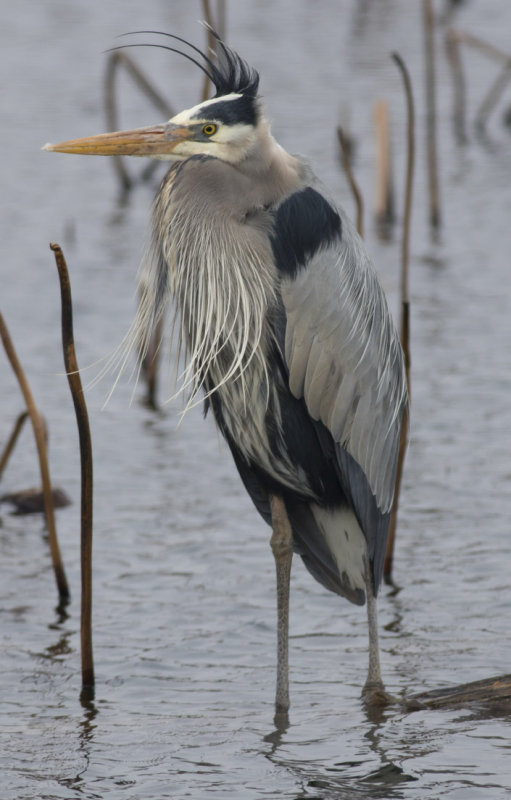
[(492, 695)]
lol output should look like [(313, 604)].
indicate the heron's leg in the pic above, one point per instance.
[(373, 689), (282, 547)]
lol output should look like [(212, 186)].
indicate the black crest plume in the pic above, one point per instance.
[(233, 74), (229, 73)]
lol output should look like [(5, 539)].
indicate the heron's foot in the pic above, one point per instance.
[(281, 719), (374, 695)]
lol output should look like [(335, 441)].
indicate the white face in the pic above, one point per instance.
[(213, 133)]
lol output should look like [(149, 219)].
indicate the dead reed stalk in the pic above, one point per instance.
[(119, 60), (452, 50), (492, 96), (210, 43), (150, 363), (405, 305), (432, 153), (357, 194), (38, 427), (9, 447), (384, 184), (486, 48), (82, 419), (455, 38)]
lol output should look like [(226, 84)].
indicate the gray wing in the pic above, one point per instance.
[(344, 358)]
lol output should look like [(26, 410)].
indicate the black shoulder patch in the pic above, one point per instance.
[(304, 223)]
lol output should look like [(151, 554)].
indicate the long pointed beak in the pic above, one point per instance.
[(158, 140)]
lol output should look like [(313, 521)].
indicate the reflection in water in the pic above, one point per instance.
[(61, 647), (87, 725), (86, 728), (388, 773), (61, 613), (342, 779), (384, 783)]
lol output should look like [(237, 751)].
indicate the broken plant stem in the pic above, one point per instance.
[(9, 447)]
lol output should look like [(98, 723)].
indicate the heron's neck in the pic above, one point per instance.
[(273, 171)]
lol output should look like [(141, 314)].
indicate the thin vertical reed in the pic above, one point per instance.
[(357, 194), (384, 184), (452, 50), (82, 419), (405, 305), (150, 364), (210, 43), (429, 42)]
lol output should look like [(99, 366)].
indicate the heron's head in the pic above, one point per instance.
[(227, 127)]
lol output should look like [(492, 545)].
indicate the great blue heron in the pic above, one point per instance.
[(287, 332)]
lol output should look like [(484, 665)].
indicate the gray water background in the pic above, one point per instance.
[(184, 621)]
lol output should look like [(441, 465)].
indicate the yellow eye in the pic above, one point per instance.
[(209, 129)]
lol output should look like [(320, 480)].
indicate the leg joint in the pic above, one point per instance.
[(282, 536)]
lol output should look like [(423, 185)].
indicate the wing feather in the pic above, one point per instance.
[(344, 358)]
